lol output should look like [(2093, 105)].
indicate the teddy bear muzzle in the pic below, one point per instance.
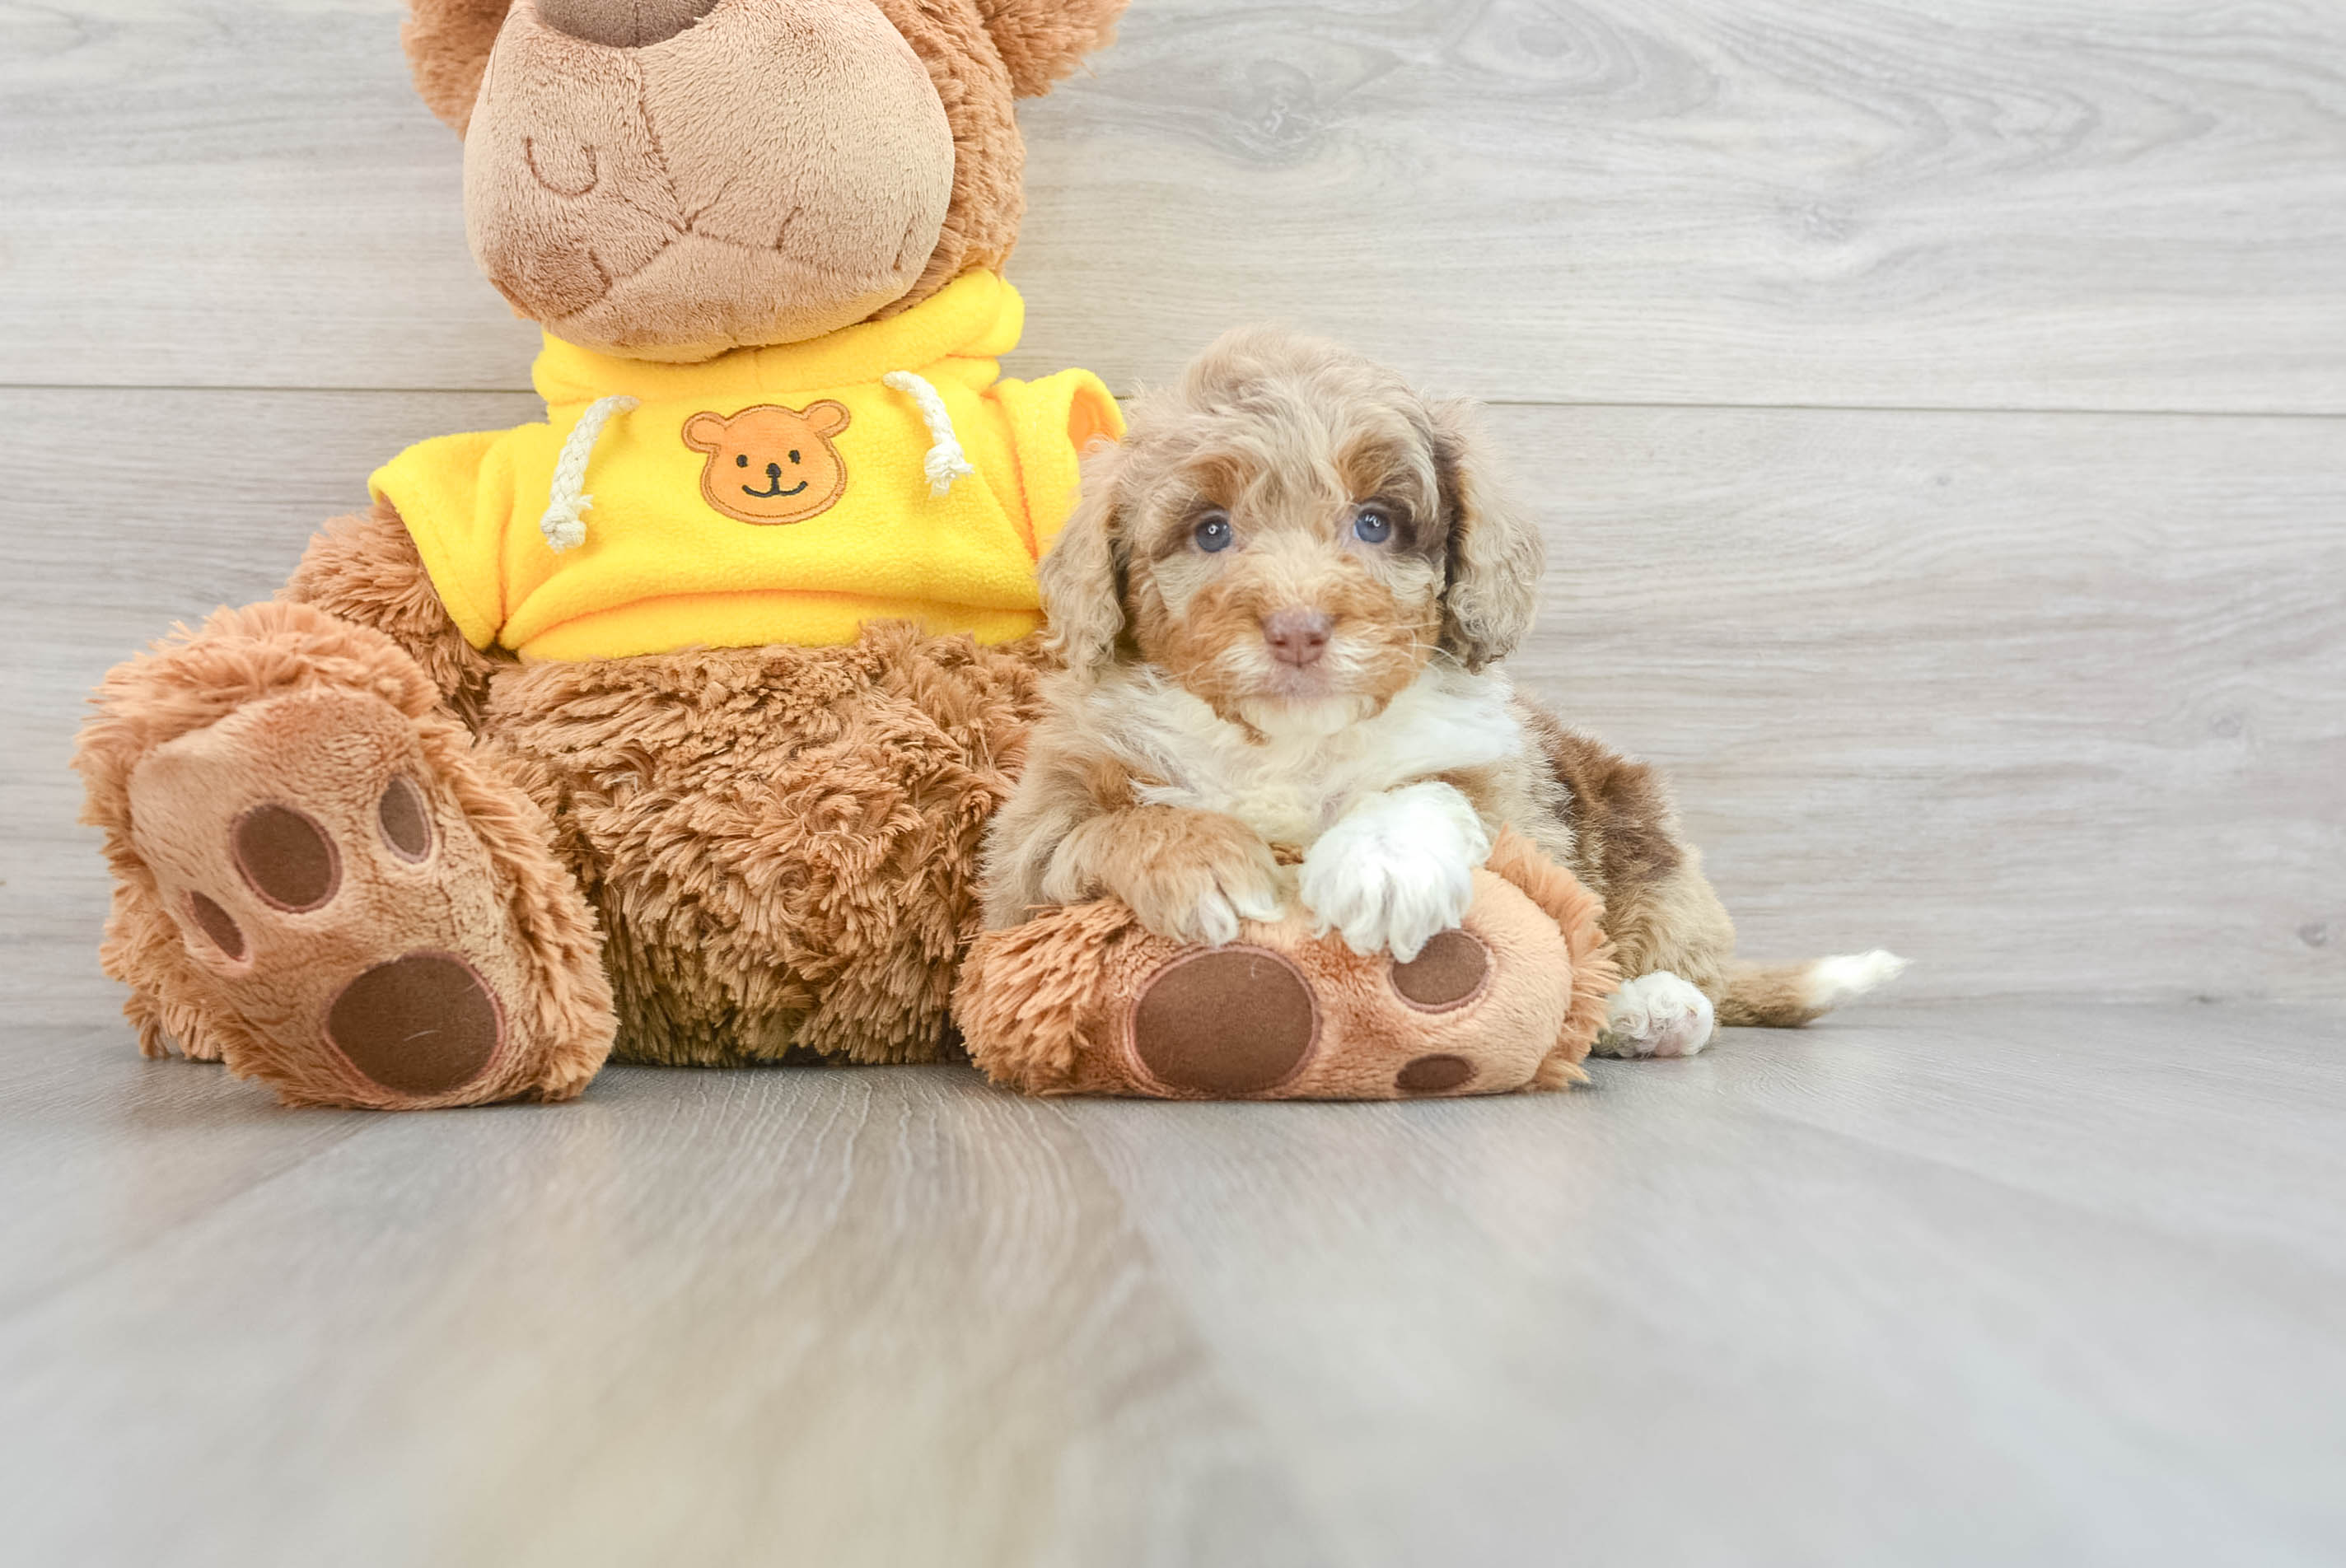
[(671, 179)]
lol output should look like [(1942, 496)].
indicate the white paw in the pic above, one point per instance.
[(1656, 1014), (1398, 870)]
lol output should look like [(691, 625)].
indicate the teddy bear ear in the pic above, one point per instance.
[(829, 418), (1042, 40), (448, 43), (706, 431)]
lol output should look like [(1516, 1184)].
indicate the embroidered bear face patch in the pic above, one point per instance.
[(771, 465)]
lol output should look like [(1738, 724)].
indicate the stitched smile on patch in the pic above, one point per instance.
[(774, 481)]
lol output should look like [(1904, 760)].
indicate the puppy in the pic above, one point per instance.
[(1282, 607)]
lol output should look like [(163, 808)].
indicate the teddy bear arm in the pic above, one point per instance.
[(365, 569)]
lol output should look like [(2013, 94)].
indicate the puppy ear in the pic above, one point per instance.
[(1044, 40), (1495, 554), (1084, 577), (448, 43)]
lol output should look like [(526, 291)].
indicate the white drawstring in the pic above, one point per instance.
[(564, 525), (946, 461)]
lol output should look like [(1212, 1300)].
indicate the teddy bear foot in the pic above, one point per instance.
[(1248, 1022), (359, 943), (1084, 1000)]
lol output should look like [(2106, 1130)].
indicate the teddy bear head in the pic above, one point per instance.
[(670, 180)]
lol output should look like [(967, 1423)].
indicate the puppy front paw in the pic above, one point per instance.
[(1656, 1014), (1204, 902), (1398, 870), (1192, 876)]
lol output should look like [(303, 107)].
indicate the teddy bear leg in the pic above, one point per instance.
[(326, 884), (1084, 1000)]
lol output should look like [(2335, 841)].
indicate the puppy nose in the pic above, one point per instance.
[(623, 24), (1297, 636)]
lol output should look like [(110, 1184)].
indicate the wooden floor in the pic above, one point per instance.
[(1938, 413), (1998, 1284)]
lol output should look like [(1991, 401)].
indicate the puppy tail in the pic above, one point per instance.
[(1788, 995)]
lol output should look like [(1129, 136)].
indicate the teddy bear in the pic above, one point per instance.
[(667, 727)]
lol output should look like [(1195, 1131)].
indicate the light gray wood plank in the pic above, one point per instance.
[(2053, 704), (2050, 704), (1935, 1286), (2014, 203), (850, 1317), (2057, 203), (2026, 1284)]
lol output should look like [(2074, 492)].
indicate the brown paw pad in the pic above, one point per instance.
[(217, 924), (1434, 1074), (286, 858), (1448, 973), (1230, 1022), (405, 821), (422, 1024)]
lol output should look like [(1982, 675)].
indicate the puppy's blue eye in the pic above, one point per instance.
[(1213, 535), (1373, 525)]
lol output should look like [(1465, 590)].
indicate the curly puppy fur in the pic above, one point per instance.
[(1282, 608)]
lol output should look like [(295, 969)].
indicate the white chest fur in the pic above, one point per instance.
[(1295, 783)]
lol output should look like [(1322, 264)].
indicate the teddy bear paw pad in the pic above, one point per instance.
[(1225, 1023), (1434, 1076), (423, 1025), (286, 858), (1450, 972)]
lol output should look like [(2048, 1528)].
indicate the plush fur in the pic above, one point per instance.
[(705, 857), (781, 843), (1043, 41), (1282, 607), (1056, 1005), (448, 43), (184, 733)]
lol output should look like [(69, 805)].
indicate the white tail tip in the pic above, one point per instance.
[(1833, 980)]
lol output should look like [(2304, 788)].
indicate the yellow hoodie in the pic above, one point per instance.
[(772, 496)]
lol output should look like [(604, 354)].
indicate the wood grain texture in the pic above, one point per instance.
[(2014, 203), (2021, 1284), (2052, 705), (2055, 702)]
